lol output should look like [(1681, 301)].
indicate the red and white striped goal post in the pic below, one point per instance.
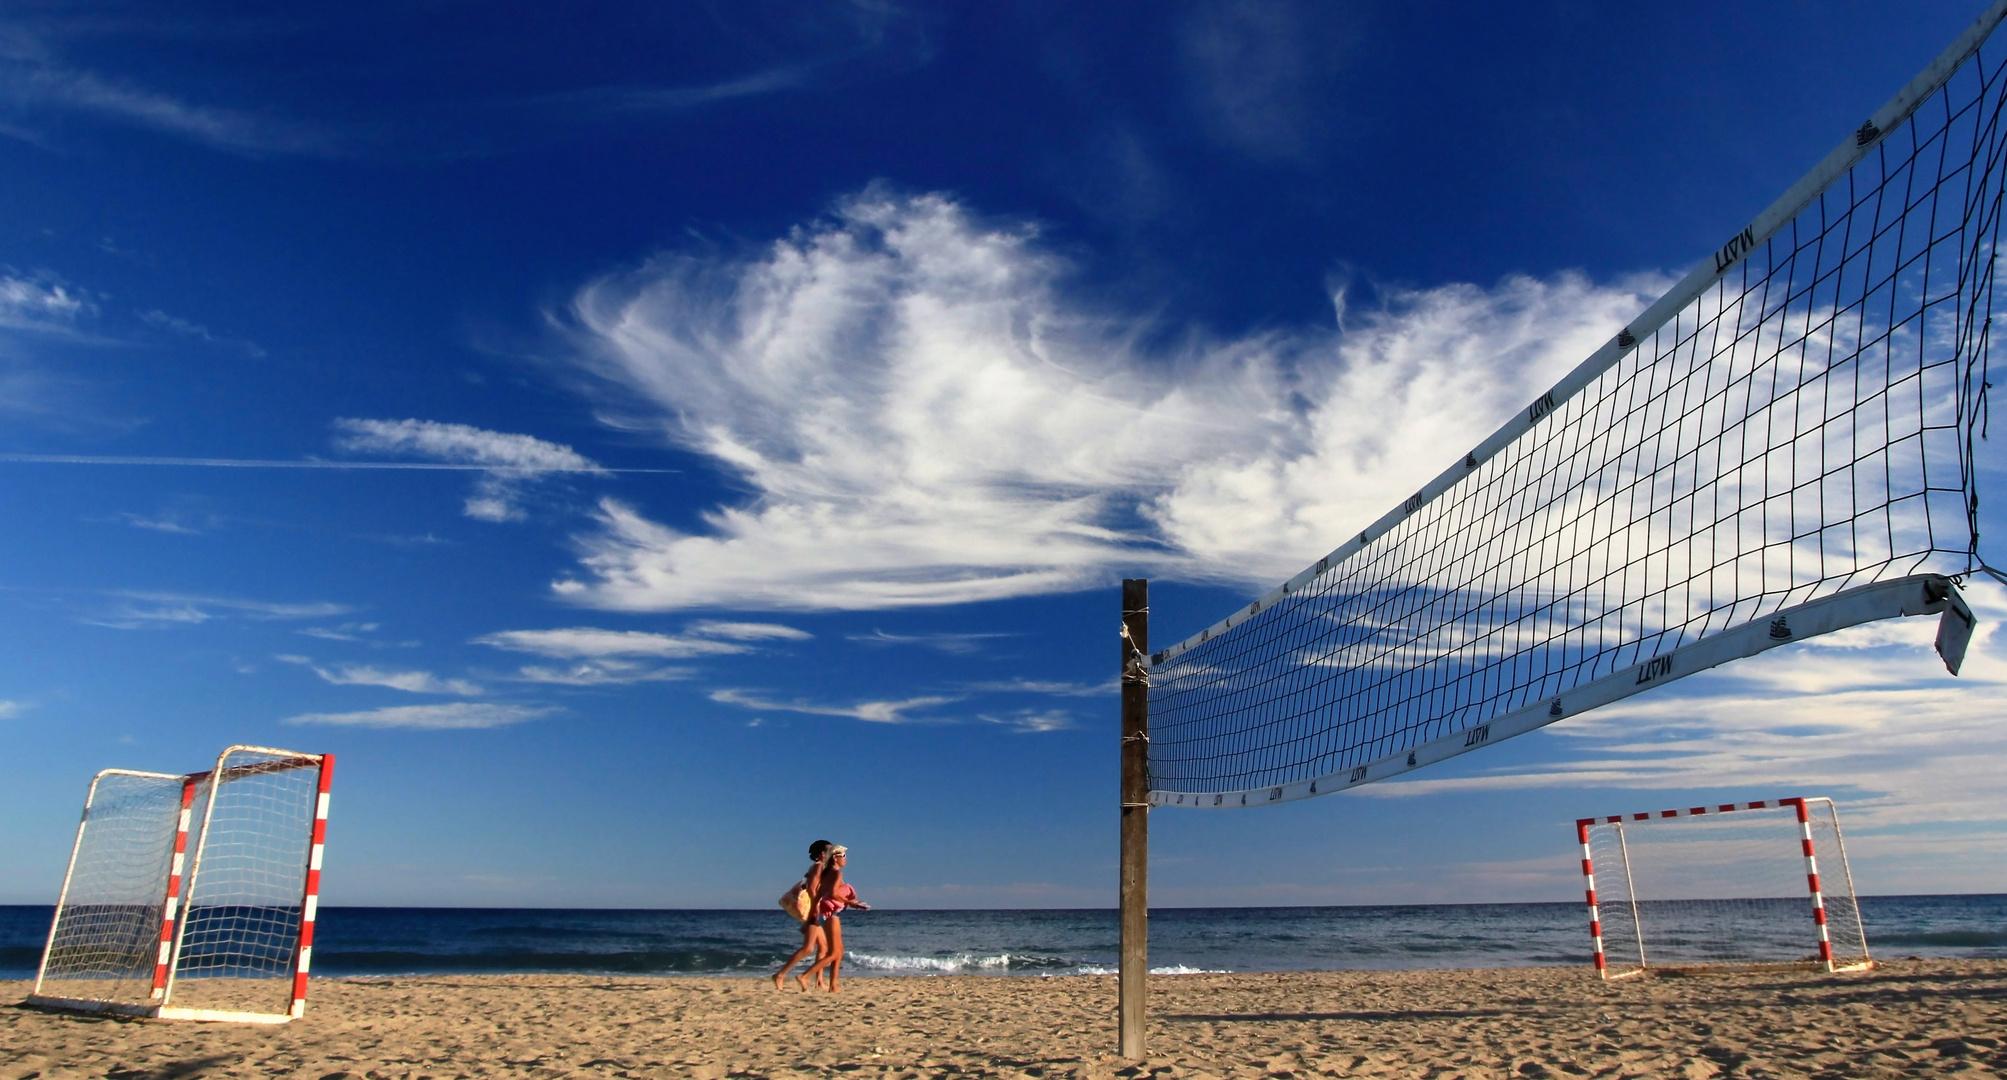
[(181, 872), (281, 761), (310, 903), (1798, 803), (174, 871)]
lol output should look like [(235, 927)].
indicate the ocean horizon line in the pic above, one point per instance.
[(887, 907)]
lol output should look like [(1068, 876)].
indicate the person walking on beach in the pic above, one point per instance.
[(834, 896), (801, 902)]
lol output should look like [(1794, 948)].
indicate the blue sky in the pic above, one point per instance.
[(809, 375)]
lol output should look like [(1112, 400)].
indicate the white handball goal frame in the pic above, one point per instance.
[(1833, 939), (144, 928)]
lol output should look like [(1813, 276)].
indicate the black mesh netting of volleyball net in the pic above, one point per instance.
[(1780, 447)]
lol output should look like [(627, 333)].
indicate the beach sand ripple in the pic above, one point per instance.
[(1908, 1018)]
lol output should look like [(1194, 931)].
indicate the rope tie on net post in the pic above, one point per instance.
[(1144, 738), (1135, 673), (1133, 669)]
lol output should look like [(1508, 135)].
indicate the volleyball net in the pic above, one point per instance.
[(1780, 447)]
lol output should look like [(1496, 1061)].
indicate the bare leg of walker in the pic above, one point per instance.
[(811, 940), (833, 933)]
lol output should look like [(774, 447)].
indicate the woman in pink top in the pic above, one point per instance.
[(834, 896)]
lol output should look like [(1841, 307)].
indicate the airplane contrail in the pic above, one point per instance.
[(252, 463)]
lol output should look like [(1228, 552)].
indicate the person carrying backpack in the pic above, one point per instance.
[(832, 896), (801, 903)]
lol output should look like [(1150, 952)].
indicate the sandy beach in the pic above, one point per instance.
[(1907, 1018)]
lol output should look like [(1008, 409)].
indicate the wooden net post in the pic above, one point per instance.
[(1135, 905)]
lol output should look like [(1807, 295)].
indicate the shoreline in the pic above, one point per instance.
[(1906, 1017)]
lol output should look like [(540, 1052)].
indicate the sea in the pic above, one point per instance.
[(455, 941)]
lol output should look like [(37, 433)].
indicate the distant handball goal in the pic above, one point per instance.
[(193, 897), (1726, 887)]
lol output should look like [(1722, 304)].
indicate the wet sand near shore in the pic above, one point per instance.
[(1908, 1018)]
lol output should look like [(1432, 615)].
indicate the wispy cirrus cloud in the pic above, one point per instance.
[(36, 309), (605, 671), (11, 709), (167, 522), (184, 328), (805, 49), (923, 416), (459, 715), (50, 71), (350, 631), (1032, 721), (461, 443), (583, 642), (1053, 687), (874, 712), (957, 644), (34, 79), (609, 102), (511, 460), (139, 610), (411, 682), (40, 302), (617, 657), (748, 631), (1868, 715)]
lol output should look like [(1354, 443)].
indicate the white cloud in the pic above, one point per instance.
[(876, 712), (39, 303), (1867, 715), (923, 418), (598, 654), (344, 632), (512, 459), (32, 78), (1055, 688), (12, 709), (601, 672), (585, 642), (411, 682), (748, 631), (458, 715), (1032, 720), (958, 644), (808, 49), (197, 331), (460, 443), (166, 523), (137, 610), (652, 99)]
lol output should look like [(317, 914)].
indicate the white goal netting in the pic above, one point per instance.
[(105, 942), (239, 937), (1724, 890), (192, 896)]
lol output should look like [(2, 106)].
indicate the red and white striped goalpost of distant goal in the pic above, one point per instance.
[(310, 903), (172, 904), (1802, 807)]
